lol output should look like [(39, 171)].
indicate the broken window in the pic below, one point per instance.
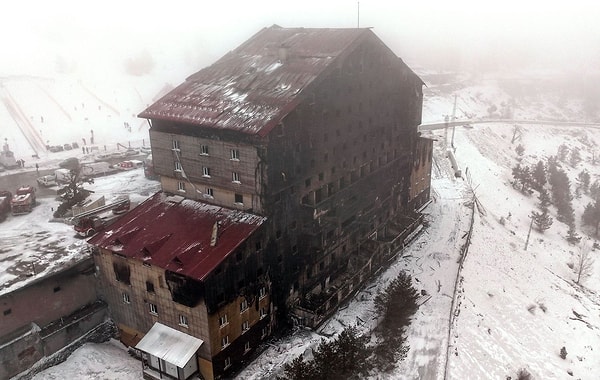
[(122, 272), (239, 198), (149, 287)]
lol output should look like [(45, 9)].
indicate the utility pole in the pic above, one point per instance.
[(529, 233), (358, 14)]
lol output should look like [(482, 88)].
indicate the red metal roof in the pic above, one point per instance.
[(174, 233), (252, 88)]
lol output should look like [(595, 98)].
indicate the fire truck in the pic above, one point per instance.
[(23, 200), (5, 197)]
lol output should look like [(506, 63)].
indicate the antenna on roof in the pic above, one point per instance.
[(358, 14)]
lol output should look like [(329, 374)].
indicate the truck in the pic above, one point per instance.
[(5, 197), (23, 201), (96, 169), (89, 222)]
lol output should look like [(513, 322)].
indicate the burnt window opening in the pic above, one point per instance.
[(239, 198), (184, 290), (122, 272), (258, 246), (7, 311), (149, 287), (56, 289)]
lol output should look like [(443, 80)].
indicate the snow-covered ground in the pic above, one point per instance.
[(515, 308)]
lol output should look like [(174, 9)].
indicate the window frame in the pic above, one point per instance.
[(175, 145), (223, 321), (126, 298), (181, 186), (183, 320), (235, 154), (205, 172), (245, 326), (153, 308), (244, 306), (225, 342), (204, 150), (235, 177), (178, 167)]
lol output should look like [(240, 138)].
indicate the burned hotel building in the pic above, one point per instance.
[(291, 169)]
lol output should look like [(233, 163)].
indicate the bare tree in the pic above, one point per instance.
[(584, 264)]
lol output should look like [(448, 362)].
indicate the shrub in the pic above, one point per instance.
[(563, 353), (523, 374)]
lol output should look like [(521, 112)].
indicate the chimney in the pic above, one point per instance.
[(215, 234)]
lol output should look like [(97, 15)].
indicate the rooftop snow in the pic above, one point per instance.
[(177, 236), (253, 87)]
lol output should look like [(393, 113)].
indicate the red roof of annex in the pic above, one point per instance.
[(175, 234)]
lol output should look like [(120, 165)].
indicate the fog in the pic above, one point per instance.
[(87, 39)]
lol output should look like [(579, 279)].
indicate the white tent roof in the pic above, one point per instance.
[(169, 344)]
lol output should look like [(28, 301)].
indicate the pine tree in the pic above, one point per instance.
[(574, 158), (563, 151), (544, 199), (572, 236), (539, 175), (583, 180), (591, 215), (595, 190), (542, 220)]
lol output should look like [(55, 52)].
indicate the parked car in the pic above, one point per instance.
[(47, 180), (130, 164)]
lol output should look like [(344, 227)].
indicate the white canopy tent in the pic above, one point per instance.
[(170, 351)]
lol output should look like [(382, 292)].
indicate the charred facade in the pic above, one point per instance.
[(315, 132)]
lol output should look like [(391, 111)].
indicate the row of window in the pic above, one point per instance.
[(204, 150), (225, 343), (206, 173), (153, 309), (209, 192)]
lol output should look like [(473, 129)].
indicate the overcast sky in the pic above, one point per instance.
[(435, 33)]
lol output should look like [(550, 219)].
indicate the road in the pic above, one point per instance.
[(459, 123)]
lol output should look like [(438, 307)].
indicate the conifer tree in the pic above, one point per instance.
[(542, 220)]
